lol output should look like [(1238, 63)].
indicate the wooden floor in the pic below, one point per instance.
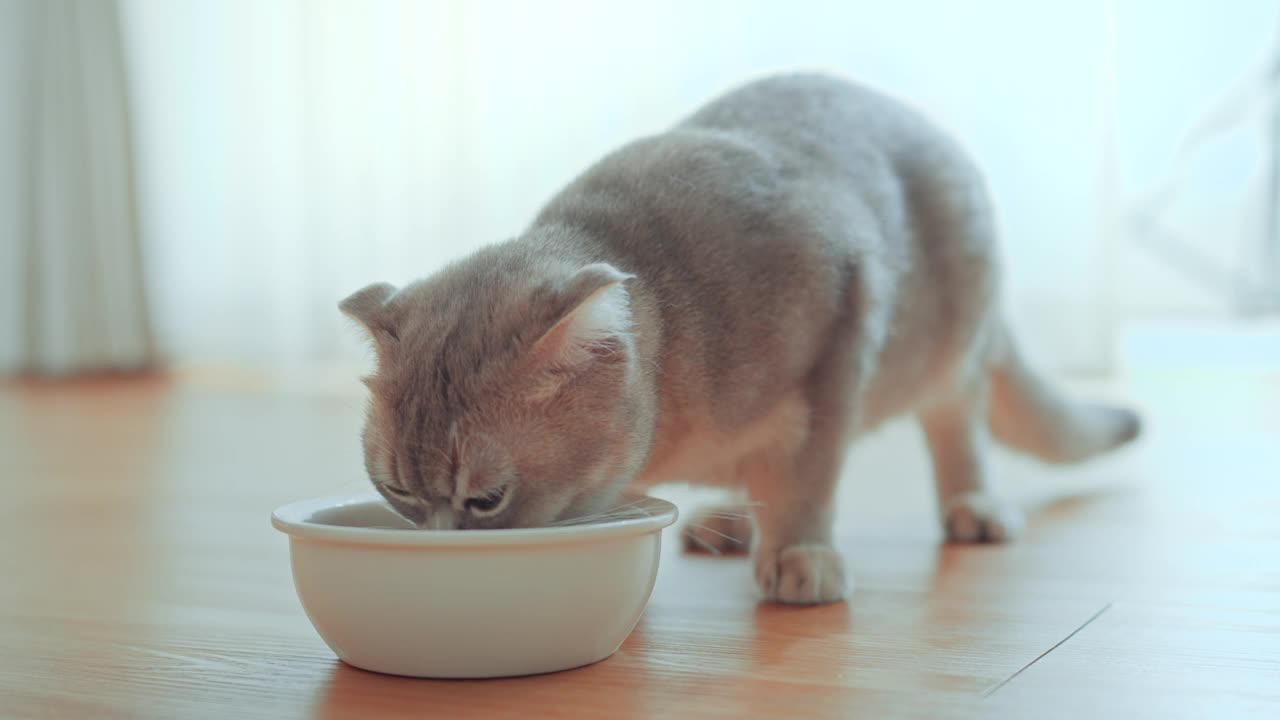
[(139, 577)]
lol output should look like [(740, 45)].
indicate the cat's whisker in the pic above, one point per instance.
[(621, 512), (703, 544), (579, 520), (628, 505), (619, 508), (589, 519), (713, 531)]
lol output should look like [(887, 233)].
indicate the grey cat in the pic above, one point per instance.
[(730, 302)]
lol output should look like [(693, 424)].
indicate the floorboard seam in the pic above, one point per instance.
[(1006, 681)]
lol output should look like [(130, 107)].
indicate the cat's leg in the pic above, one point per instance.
[(792, 486), (956, 431), (724, 529)]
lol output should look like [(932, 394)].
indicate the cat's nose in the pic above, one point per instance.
[(439, 519)]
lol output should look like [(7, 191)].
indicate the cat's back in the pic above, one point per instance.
[(789, 152), (825, 123)]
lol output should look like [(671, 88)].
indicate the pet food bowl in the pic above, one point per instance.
[(390, 598)]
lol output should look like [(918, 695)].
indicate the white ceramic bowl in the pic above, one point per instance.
[(470, 603)]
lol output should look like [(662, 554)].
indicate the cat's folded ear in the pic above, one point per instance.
[(596, 324), (368, 307)]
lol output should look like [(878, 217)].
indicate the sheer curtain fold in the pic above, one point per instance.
[(73, 275)]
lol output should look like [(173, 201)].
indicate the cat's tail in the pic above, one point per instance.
[(1027, 414)]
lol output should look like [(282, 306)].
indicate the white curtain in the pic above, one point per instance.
[(293, 151), (1204, 221), (71, 286)]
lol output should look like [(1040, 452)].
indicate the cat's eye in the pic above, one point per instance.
[(488, 504)]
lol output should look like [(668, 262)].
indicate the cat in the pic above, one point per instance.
[(730, 302)]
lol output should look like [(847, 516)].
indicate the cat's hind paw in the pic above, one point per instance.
[(981, 518)]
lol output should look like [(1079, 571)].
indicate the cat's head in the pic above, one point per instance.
[(507, 392)]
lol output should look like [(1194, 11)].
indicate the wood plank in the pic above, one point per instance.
[(141, 578)]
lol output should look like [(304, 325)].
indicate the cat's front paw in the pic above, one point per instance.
[(801, 574), (981, 518)]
